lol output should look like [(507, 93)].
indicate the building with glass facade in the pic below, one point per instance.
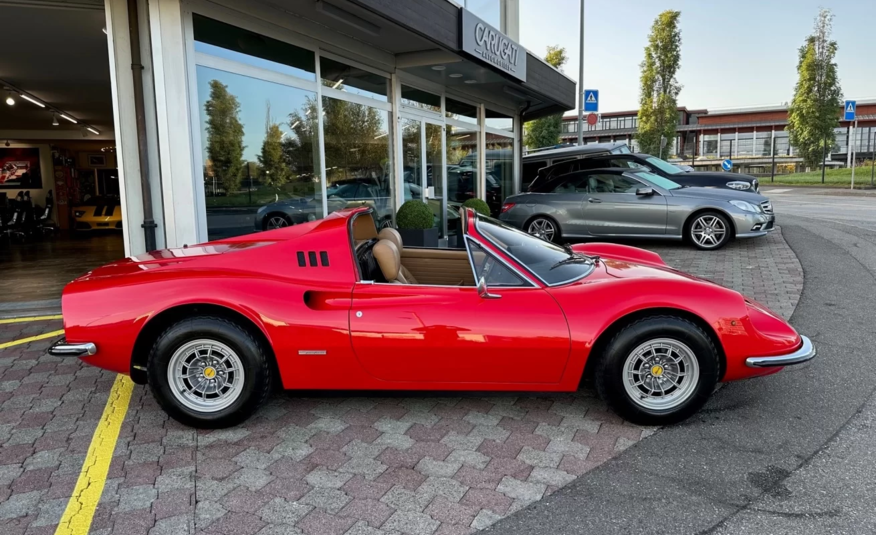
[(266, 114), (754, 138)]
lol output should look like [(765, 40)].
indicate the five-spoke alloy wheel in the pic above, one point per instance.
[(276, 221), (709, 231), (544, 228)]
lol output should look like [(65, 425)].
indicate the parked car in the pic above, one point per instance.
[(632, 203), (332, 304), (341, 194), (735, 181), (102, 212), (538, 159)]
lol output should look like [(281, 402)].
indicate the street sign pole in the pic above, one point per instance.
[(581, 80), (773, 165), (852, 150), (823, 159)]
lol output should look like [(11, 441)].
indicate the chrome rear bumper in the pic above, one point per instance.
[(62, 349), (805, 353)]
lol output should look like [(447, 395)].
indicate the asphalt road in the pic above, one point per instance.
[(789, 453)]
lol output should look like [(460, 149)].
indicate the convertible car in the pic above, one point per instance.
[(333, 304)]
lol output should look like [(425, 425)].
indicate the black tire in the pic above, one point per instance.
[(611, 365), (256, 364), (721, 220), (266, 222), (545, 222)]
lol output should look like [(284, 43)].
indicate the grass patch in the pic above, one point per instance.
[(832, 177)]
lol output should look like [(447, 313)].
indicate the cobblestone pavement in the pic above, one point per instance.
[(326, 464)]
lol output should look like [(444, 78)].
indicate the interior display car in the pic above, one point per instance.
[(634, 203), (337, 304), (102, 212)]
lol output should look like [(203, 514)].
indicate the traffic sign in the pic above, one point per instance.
[(727, 164), (592, 119), (850, 106), (591, 100)]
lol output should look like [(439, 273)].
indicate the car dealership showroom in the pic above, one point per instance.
[(233, 117)]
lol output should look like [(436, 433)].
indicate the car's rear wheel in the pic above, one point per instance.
[(209, 372), (658, 370), (275, 221), (709, 231), (544, 228)]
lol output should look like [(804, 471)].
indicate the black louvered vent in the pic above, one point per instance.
[(310, 258)]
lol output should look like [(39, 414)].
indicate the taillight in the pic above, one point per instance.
[(507, 206)]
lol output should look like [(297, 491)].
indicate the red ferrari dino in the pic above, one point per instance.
[(332, 304)]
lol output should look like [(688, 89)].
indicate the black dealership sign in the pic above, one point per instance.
[(492, 46)]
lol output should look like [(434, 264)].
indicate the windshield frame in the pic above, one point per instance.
[(524, 269)]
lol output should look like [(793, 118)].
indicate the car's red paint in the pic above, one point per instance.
[(379, 336)]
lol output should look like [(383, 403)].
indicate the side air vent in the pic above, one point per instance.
[(310, 258)]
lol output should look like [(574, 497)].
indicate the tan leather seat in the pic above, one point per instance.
[(389, 260), (393, 236)]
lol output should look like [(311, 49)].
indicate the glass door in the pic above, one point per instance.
[(422, 174)]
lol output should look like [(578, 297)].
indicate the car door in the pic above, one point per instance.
[(614, 209), (453, 335), (566, 198)]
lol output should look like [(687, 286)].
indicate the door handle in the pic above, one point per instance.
[(593, 200)]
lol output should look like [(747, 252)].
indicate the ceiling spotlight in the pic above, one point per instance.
[(9, 99), (33, 100), (439, 68), (72, 120), (456, 75), (471, 81), (93, 130), (55, 119)]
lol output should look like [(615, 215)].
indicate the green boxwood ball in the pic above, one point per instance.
[(478, 206), (414, 215)]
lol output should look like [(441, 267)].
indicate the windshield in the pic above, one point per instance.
[(538, 256), (658, 180), (666, 167)]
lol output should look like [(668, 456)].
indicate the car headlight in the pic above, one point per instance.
[(746, 206), (738, 184), (78, 213)]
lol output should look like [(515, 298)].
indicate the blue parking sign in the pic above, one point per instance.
[(727, 165), (591, 100), (850, 106)]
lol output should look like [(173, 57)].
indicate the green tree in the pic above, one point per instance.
[(814, 111), (274, 167), (545, 132), (224, 136), (658, 107)]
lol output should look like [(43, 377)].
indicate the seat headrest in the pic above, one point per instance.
[(392, 235), (388, 258)]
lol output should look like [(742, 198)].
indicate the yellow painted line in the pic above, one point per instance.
[(80, 509), (30, 318), (43, 336)]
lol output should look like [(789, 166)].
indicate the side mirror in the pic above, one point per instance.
[(483, 292), (647, 192)]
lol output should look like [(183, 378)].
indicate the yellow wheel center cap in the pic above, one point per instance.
[(209, 372), (656, 370)]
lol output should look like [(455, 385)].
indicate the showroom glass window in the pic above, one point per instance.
[(461, 156), (498, 159), (259, 137)]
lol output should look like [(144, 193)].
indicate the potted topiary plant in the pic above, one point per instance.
[(478, 206), (416, 224)]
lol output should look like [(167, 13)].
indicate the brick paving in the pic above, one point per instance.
[(327, 464)]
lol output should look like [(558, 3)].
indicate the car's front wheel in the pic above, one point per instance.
[(209, 372), (709, 231), (274, 221), (658, 370), (544, 228)]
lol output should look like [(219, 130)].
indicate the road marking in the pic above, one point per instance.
[(785, 190), (80, 509), (31, 339), (30, 318)]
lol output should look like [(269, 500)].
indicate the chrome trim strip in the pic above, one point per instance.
[(63, 349), (499, 258), (311, 351), (805, 353)]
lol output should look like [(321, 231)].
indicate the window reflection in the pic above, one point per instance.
[(259, 153), (495, 119), (462, 163), (343, 77), (357, 157), (435, 172), (461, 111), (417, 98), (499, 170)]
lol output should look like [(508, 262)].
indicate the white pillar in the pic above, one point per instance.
[(175, 95), (719, 144), (736, 144)]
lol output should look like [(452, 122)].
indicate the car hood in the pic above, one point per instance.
[(626, 262), (730, 177), (719, 194)]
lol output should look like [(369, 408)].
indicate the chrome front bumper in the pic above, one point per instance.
[(62, 349), (805, 353)]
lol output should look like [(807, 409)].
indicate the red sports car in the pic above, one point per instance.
[(333, 304)]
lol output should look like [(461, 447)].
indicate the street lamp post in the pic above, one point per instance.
[(581, 80), (823, 158)]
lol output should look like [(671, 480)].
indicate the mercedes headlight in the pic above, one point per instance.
[(746, 206)]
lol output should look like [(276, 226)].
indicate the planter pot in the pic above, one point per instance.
[(419, 238)]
